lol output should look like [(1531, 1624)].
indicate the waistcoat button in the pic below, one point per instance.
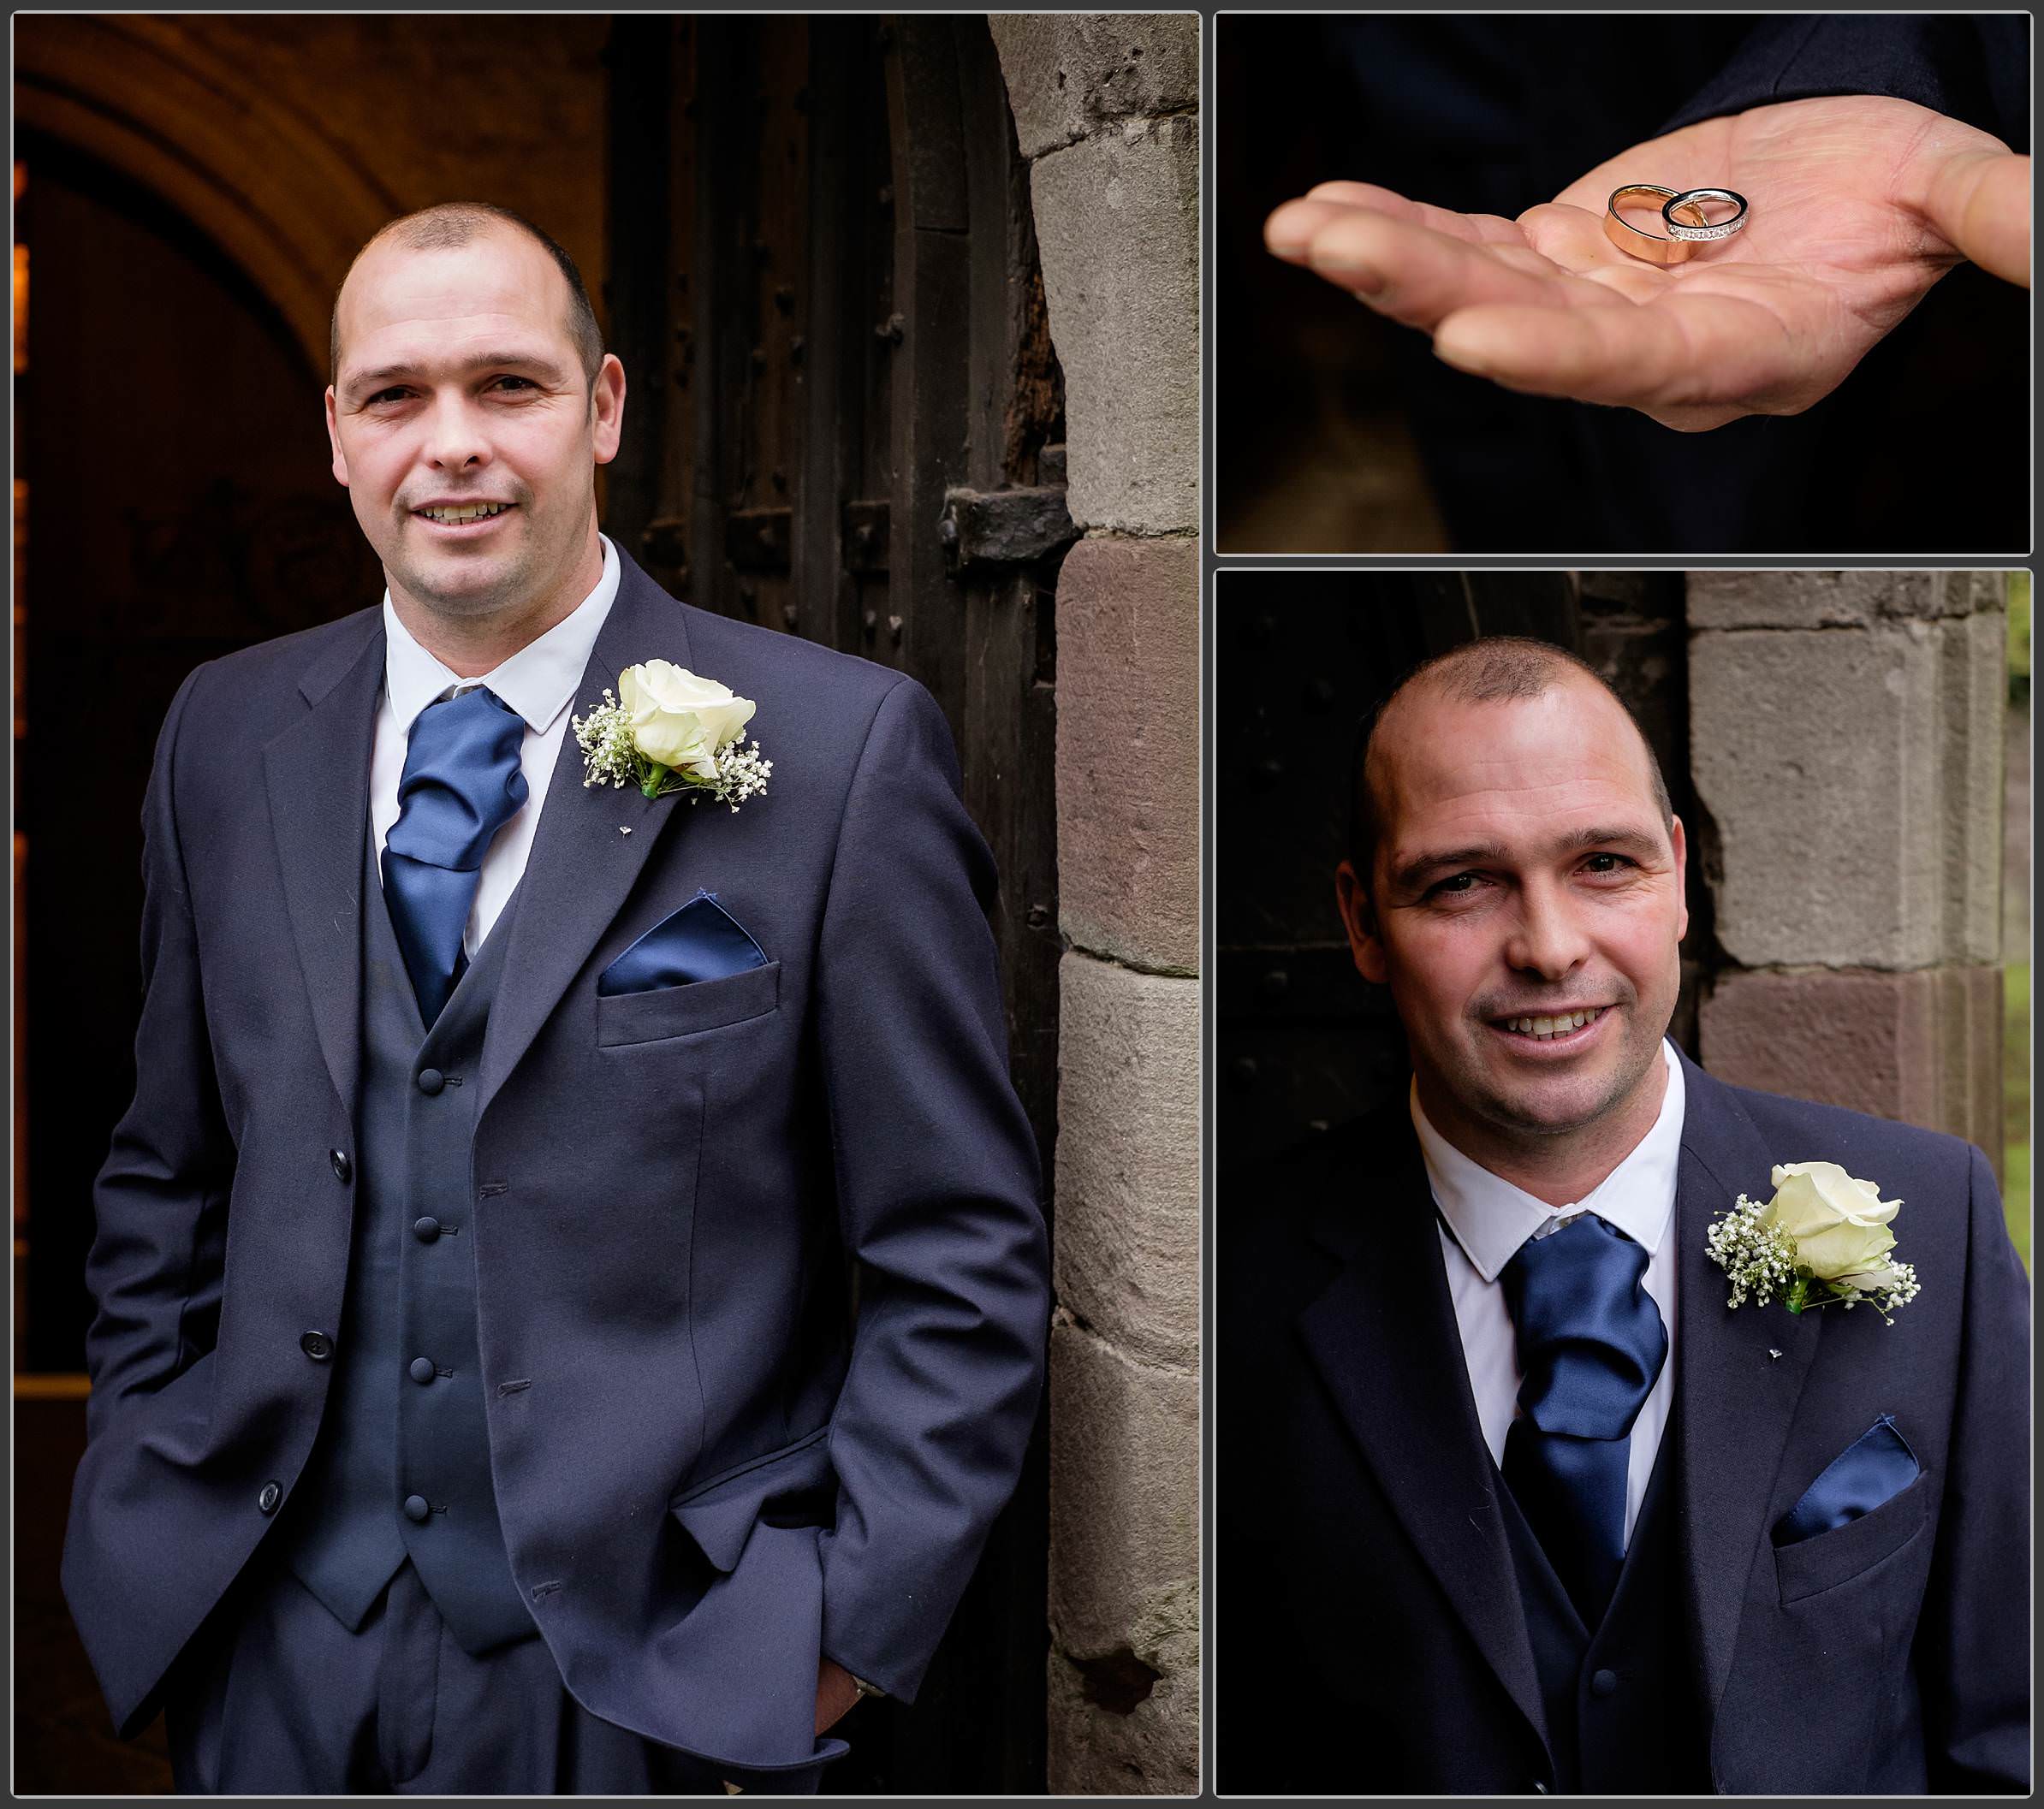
[(1604, 1683), (416, 1507), (268, 1499), (317, 1345), (422, 1370), (425, 1229), (342, 1167), (430, 1080)]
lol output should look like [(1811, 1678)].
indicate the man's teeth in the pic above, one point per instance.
[(469, 511), (1542, 1028)]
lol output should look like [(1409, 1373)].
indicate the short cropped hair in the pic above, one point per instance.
[(1505, 668), (453, 224)]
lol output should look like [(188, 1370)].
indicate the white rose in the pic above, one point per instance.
[(1840, 1225), (678, 719)]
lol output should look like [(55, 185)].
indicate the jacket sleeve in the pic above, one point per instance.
[(938, 1198), (1969, 68), (160, 1203), (1972, 1657)]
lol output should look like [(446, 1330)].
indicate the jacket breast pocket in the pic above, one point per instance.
[(625, 1018), (1811, 1566)]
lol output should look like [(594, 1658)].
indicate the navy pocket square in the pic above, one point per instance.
[(1877, 1466), (700, 941)]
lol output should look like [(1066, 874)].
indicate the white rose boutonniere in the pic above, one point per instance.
[(1823, 1240), (672, 730)]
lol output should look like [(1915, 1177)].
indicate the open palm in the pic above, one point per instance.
[(1859, 204)]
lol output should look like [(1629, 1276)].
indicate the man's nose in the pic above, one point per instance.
[(455, 439), (1548, 938)]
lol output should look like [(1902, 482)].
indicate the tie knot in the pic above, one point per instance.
[(1590, 1340), (462, 781)]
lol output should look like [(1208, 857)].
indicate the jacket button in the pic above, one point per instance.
[(430, 1080), (317, 1345), (416, 1507), (425, 1229), (422, 1369), (1604, 1683), (268, 1499), (342, 1167)]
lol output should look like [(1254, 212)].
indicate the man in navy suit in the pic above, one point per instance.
[(479, 1400), (1511, 1499)]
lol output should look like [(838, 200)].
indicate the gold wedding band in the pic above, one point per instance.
[(1653, 247)]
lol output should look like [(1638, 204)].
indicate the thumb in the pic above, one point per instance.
[(1979, 201)]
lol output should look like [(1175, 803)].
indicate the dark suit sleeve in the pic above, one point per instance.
[(158, 1251), (937, 1186), (1969, 68), (1972, 1657)]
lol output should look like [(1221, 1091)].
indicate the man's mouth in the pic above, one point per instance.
[(459, 514), (1548, 1029)]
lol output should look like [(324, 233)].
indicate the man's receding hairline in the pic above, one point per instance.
[(1499, 669), (453, 225)]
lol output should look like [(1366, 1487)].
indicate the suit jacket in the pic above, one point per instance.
[(706, 1473), (1370, 1633)]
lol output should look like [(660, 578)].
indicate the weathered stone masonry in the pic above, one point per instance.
[(1846, 734), (1106, 109)]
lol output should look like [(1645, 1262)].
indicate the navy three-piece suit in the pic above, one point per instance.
[(1385, 1623), (695, 1328)]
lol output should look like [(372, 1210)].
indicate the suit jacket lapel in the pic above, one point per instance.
[(1736, 1397), (580, 869), (318, 776), (1384, 1337)]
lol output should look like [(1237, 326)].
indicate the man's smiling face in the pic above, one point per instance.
[(1525, 907), (462, 423)]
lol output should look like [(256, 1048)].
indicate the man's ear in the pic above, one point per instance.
[(332, 439), (1360, 920), (607, 408), (1681, 847)]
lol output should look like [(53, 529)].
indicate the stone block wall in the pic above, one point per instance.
[(1846, 746), (1106, 109)]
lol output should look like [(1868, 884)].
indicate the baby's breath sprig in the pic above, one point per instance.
[(1755, 1253), (605, 736)]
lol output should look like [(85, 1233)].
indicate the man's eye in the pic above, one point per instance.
[(386, 395), (1607, 863), (1455, 884), (516, 383)]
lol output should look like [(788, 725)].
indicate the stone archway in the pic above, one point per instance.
[(153, 101)]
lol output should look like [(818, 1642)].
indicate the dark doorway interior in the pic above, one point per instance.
[(172, 503), (178, 506)]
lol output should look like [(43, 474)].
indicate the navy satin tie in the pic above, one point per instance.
[(461, 785), (1590, 1343)]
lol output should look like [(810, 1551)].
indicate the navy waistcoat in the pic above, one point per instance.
[(402, 1467), (1621, 1704)]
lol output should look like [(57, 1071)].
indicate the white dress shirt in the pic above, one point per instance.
[(539, 681), (1483, 1221)]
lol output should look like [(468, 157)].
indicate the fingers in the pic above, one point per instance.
[(1691, 361), (1478, 229), (1979, 201), (1411, 271)]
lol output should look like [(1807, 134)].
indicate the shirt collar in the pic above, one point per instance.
[(1490, 1217), (539, 681)]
